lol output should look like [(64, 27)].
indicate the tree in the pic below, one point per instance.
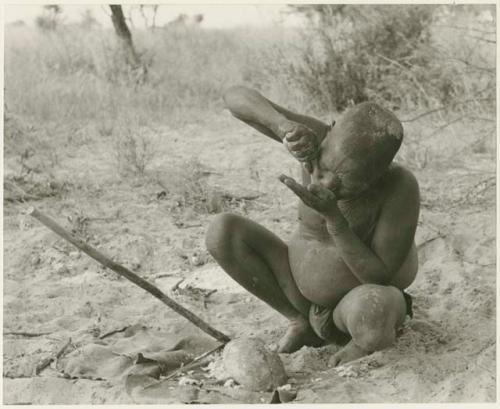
[(123, 33)]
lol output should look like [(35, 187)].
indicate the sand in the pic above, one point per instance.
[(446, 353)]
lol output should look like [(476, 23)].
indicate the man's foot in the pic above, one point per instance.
[(349, 353), (299, 334)]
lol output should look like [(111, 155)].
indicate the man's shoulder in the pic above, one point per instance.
[(400, 175), (400, 183)]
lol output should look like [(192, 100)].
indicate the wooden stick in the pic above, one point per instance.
[(129, 275), (47, 361)]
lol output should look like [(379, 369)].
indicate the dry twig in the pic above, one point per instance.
[(190, 365), (27, 334), (47, 361), (116, 331)]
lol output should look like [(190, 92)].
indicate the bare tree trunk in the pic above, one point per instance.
[(123, 32), (155, 10)]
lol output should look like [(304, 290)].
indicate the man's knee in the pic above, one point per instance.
[(373, 314), (220, 233)]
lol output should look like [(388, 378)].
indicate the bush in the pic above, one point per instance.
[(352, 53), (396, 55), (134, 149)]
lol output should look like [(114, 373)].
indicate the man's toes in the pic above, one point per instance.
[(347, 354), (335, 360), (297, 336)]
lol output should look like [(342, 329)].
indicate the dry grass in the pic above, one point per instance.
[(68, 89), (80, 72), (187, 188)]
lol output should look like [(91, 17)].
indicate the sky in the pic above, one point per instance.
[(215, 16)]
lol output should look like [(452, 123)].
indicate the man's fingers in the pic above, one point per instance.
[(293, 135), (298, 189), (292, 184), (300, 144), (301, 149), (321, 192), (297, 132), (306, 157), (318, 189), (301, 154)]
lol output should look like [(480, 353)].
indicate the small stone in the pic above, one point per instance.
[(230, 383), (197, 260), (63, 271), (36, 260), (286, 395), (185, 381)]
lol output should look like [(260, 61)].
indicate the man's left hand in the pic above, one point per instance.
[(315, 196)]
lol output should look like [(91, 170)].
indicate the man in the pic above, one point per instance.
[(342, 275)]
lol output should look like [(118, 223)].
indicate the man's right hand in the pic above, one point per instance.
[(300, 141)]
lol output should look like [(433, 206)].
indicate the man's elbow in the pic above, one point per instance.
[(234, 97)]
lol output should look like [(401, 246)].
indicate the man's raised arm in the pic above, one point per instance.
[(267, 117)]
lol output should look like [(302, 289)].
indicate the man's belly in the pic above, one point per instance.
[(319, 272), (322, 276)]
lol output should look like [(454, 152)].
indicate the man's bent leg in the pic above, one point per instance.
[(371, 314), (258, 260)]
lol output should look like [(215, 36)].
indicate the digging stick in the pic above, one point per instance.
[(129, 275)]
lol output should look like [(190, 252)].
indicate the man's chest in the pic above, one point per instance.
[(362, 215)]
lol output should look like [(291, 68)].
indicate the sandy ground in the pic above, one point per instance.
[(446, 353)]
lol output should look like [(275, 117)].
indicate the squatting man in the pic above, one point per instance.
[(341, 276)]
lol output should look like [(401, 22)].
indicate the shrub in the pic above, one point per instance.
[(397, 55), (134, 148), (352, 53)]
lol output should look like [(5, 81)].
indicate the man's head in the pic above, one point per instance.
[(358, 149)]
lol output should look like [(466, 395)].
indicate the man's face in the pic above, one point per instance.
[(330, 171), (357, 150)]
